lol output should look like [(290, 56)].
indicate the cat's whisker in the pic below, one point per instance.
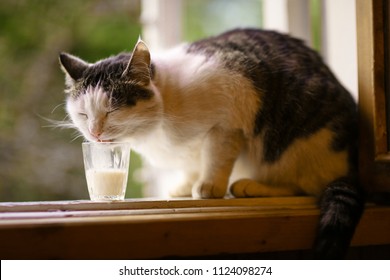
[(56, 107), (65, 123), (76, 137)]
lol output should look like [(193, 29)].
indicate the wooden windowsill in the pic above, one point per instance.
[(147, 229)]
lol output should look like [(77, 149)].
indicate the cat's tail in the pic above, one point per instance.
[(341, 205)]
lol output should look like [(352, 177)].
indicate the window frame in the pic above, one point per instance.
[(374, 156), (184, 228)]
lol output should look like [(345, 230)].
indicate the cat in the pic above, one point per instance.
[(247, 97)]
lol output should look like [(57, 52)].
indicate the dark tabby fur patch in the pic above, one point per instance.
[(341, 209), (299, 93), (108, 75)]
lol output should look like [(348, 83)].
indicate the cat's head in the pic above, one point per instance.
[(113, 99)]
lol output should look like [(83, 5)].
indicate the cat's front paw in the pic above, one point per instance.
[(208, 190)]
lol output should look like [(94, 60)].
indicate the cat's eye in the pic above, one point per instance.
[(83, 115)]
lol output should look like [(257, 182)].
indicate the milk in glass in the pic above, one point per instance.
[(106, 184)]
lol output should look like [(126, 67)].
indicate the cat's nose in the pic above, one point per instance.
[(95, 127), (96, 134)]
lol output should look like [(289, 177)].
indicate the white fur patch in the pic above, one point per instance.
[(197, 95), (93, 114), (89, 111)]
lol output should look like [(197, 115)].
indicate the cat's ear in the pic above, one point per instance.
[(73, 67), (138, 68)]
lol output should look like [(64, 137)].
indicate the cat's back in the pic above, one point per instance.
[(241, 49), (299, 94), (273, 62)]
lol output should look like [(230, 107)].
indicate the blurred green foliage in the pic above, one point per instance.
[(203, 18), (315, 12), (37, 162)]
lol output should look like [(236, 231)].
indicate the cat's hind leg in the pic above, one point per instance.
[(252, 188)]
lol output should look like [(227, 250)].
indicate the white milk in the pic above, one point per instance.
[(106, 184)]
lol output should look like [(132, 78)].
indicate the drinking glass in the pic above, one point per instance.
[(106, 169)]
